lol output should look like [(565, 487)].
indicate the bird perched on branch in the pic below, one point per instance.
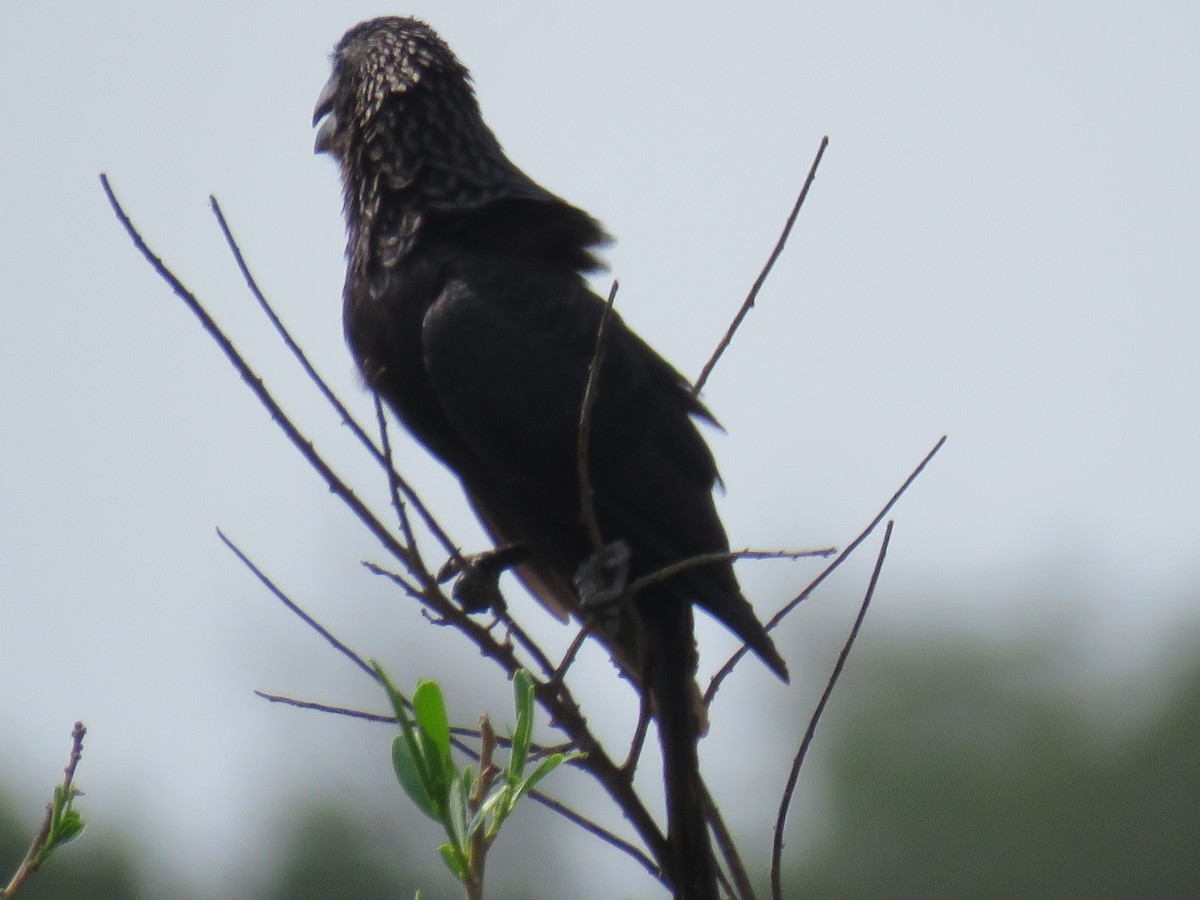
[(467, 311)]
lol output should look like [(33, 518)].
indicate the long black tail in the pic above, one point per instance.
[(671, 678)]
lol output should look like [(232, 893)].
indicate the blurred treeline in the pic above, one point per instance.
[(951, 770)]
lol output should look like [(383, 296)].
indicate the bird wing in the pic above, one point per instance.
[(507, 349)]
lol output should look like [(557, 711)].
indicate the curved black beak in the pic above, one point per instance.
[(324, 110)]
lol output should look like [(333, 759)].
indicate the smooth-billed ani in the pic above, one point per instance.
[(467, 310)]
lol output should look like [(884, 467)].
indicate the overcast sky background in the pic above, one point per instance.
[(1003, 244)]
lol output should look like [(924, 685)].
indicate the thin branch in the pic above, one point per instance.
[(560, 671), (748, 304), (393, 478), (638, 742), (530, 646), (407, 586), (327, 392), (705, 559), (853, 545), (725, 669), (301, 357), (295, 608), (729, 851), (632, 851), (586, 502), (345, 712), (794, 774), (326, 708), (458, 733), (502, 616), (255, 383)]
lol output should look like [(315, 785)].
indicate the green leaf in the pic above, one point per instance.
[(430, 710), (69, 828), (468, 780), (420, 753), (407, 757), (65, 823), (497, 805), (399, 707), (523, 697), (459, 811), (548, 765), (411, 775), (454, 860), (462, 790)]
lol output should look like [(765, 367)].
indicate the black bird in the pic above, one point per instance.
[(467, 310)]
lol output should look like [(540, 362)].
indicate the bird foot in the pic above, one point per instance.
[(477, 587), (602, 579)]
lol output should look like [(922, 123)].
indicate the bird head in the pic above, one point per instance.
[(400, 116), (389, 75)]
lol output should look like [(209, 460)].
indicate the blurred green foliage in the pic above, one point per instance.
[(956, 771), (960, 772), (89, 869)]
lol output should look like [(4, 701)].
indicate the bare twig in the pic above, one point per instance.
[(794, 774), (586, 503), (327, 392), (255, 383), (527, 643), (638, 742), (295, 608), (705, 559), (748, 304), (722, 673), (535, 749), (78, 733), (560, 671), (502, 617), (729, 851), (596, 830), (408, 587), (393, 478), (343, 711)]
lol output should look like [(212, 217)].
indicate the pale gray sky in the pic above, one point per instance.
[(1003, 244)]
